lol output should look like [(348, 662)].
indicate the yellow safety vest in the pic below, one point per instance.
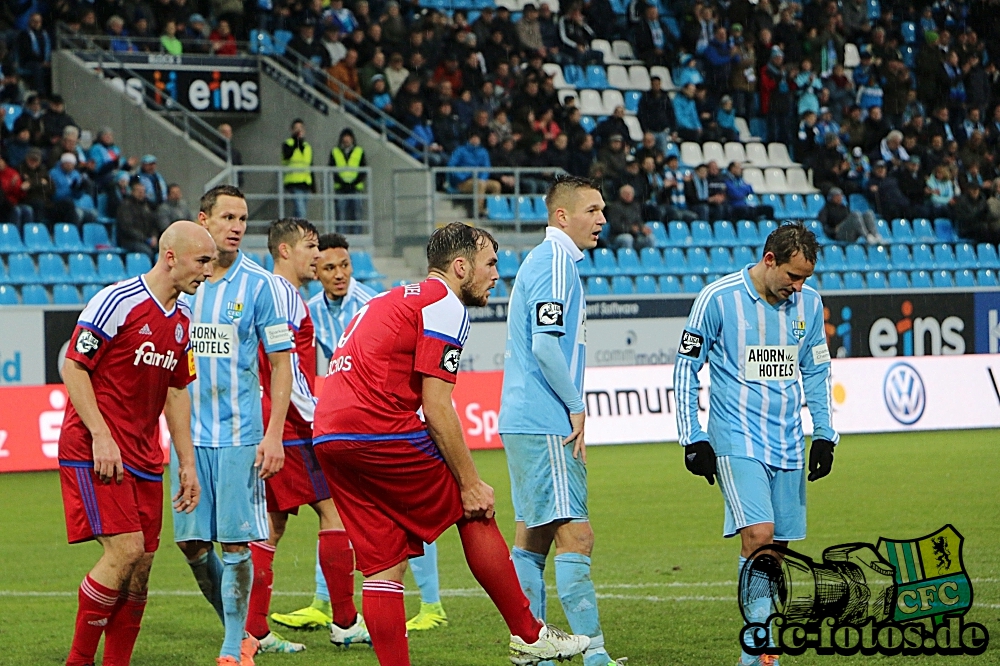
[(301, 157), (348, 177)]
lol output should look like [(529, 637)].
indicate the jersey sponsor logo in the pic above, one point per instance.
[(340, 364), (691, 344), (904, 394), (799, 328), (821, 354), (145, 330), (147, 354), (450, 358), (549, 314), (212, 340), (87, 344), (234, 309), (178, 333), (278, 334), (771, 363), (191, 366)]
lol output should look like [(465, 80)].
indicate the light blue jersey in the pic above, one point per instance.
[(760, 358), (331, 317), (229, 319), (547, 298)]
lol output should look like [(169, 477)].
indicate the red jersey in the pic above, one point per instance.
[(302, 407), (376, 373), (134, 350)]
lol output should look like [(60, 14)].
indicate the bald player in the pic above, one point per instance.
[(129, 360)]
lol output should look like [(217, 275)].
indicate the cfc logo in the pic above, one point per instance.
[(549, 314), (147, 354)]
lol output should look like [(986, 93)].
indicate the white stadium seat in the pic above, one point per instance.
[(623, 50), (778, 154), (744, 130), (567, 93), (638, 77), (613, 98), (664, 74), (618, 77), (604, 46), (711, 151), (775, 179), (798, 182), (555, 71), (591, 103), (757, 155), (735, 152), (634, 128), (852, 57), (691, 154), (755, 178)]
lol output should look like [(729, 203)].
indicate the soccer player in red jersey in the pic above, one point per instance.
[(399, 481), (129, 359), (294, 245)]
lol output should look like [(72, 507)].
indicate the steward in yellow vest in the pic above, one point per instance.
[(297, 152), (348, 154)]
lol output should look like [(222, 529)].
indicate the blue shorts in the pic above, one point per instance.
[(758, 493), (546, 482), (233, 508)]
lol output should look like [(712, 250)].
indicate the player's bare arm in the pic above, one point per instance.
[(270, 452), (446, 431), (177, 411), (579, 447), (107, 456)]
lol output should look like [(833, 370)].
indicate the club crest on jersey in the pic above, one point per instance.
[(799, 328), (178, 333), (691, 344), (87, 343), (450, 358), (549, 314), (234, 309)]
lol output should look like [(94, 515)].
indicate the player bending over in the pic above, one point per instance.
[(128, 360), (294, 245), (760, 331), (400, 482)]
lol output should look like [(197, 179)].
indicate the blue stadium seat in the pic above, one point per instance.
[(857, 258), (858, 204), (942, 279), (659, 234), (944, 230), (922, 257), (376, 285), (920, 279), (965, 278), (878, 258), (720, 261), (95, 237), (540, 212), (742, 256), (10, 239), (795, 207), (261, 43), (909, 55), (500, 289), (986, 254), (604, 262), (909, 30), (899, 280), (52, 269), (507, 264), (675, 261), (652, 262), (831, 282), (34, 294), (8, 295), (874, 9), (725, 235), (965, 256), (36, 238), (813, 281), (622, 284), (692, 284), (67, 238), (89, 291), (883, 229), (596, 78), (814, 204), (13, 112), (110, 267), (281, 39), (364, 267), (268, 263), (632, 98), (944, 257), (698, 260), (137, 264), (679, 233), (598, 286), (22, 269), (853, 280), (586, 266), (498, 208), (669, 284), (833, 259), (775, 202), (645, 284), (816, 227), (588, 123), (875, 280), (902, 231), (766, 227), (986, 277), (65, 294), (900, 257), (923, 232), (573, 74), (701, 234), (753, 199), (628, 262), (746, 232)]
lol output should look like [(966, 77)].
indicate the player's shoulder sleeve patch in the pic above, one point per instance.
[(451, 356), (87, 343), (549, 313), (691, 344)]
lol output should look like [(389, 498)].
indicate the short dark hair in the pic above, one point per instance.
[(288, 230), (456, 240), (788, 239), (330, 241), (210, 198), (565, 185)]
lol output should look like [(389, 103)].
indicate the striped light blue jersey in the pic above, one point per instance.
[(331, 317), (230, 318), (547, 298), (760, 358)]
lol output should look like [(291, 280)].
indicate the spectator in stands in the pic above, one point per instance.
[(108, 158), (876, 127), (137, 226), (575, 36), (859, 171), (972, 216), (940, 124), (395, 74), (942, 192), (912, 184), (855, 18), (688, 72), (12, 208), (17, 145), (173, 209), (720, 55), (349, 184), (343, 16), (612, 155), (689, 126), (611, 126), (473, 155), (38, 189), (156, 185), (844, 225), (169, 41), (236, 157), (852, 130), (743, 77), (196, 36), (335, 49), (648, 148), (118, 191), (558, 153), (697, 195), (312, 50), (393, 26), (346, 72), (675, 188), (70, 189), (650, 39), (223, 41), (529, 32), (379, 95), (738, 192), (32, 117), (118, 41), (374, 67), (807, 142), (56, 120), (725, 120), (583, 156), (422, 144), (891, 151), (297, 153), (776, 97), (656, 113), (144, 40), (627, 227), (34, 53), (884, 194), (971, 124)]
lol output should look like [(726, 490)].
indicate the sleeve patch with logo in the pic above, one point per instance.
[(278, 334), (691, 344), (87, 343), (821, 354), (549, 314), (450, 358)]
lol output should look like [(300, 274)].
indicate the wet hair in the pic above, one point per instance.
[(210, 198), (331, 241), (456, 240), (288, 230), (789, 239)]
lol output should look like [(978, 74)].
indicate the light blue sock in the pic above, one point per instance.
[(322, 593), (425, 572), (757, 611), (579, 602), (530, 568), (207, 571), (237, 578)]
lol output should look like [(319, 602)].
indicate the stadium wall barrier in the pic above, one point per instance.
[(627, 404)]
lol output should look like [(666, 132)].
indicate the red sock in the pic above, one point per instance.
[(123, 629), (95, 605), (262, 555), (489, 559), (336, 559), (385, 617)]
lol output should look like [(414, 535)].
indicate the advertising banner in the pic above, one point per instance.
[(22, 353)]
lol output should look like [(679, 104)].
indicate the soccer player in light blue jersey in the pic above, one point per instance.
[(761, 332), (542, 412), (233, 312)]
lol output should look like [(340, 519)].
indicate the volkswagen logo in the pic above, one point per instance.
[(904, 393)]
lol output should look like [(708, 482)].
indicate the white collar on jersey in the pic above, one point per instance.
[(560, 236)]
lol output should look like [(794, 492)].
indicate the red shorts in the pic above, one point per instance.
[(392, 496), (299, 482), (94, 508)]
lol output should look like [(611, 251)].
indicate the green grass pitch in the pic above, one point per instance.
[(663, 571)]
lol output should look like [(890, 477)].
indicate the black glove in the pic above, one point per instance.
[(699, 458), (820, 458)]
